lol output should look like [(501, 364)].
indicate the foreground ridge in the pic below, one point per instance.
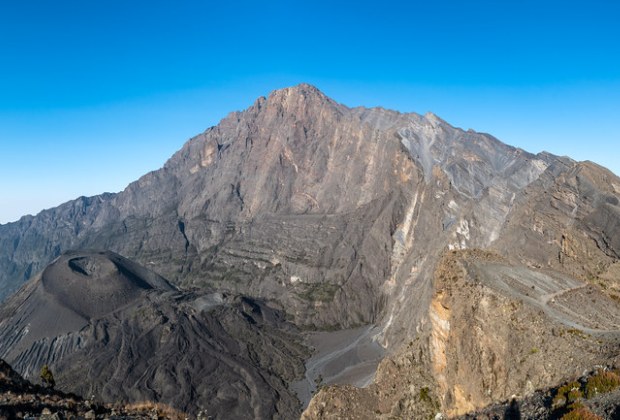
[(21, 399)]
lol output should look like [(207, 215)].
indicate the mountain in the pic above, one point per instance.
[(467, 270)]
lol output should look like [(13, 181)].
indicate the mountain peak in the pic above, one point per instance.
[(305, 89), (299, 100), (297, 94)]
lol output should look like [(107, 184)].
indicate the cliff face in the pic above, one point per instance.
[(343, 217)]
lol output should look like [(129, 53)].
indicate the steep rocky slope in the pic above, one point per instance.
[(568, 220), (347, 217), (110, 328)]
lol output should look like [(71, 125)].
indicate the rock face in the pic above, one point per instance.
[(110, 328), (344, 217)]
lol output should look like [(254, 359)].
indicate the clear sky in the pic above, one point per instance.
[(93, 94)]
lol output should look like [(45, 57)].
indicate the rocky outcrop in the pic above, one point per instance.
[(567, 220), (552, 403)]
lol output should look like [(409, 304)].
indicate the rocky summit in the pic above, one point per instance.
[(304, 258)]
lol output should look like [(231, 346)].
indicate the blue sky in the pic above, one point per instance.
[(95, 93)]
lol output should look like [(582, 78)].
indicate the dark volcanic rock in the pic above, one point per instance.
[(110, 328), (93, 284)]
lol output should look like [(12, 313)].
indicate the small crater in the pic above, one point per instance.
[(89, 266)]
